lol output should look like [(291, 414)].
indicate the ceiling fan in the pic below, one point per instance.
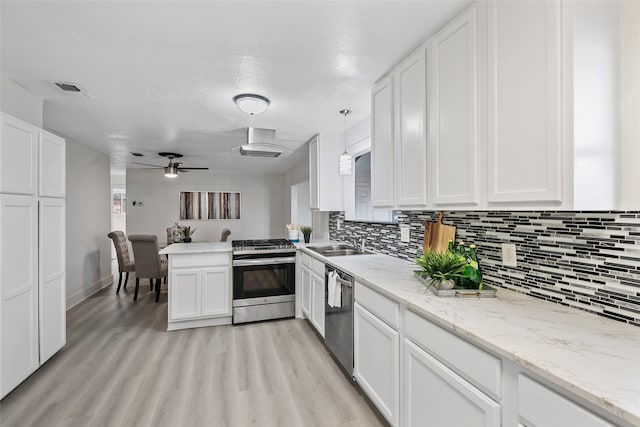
[(172, 169)]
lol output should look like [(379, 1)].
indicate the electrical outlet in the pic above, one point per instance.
[(339, 224), (405, 233), (509, 255)]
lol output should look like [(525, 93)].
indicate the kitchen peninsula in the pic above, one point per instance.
[(199, 284)]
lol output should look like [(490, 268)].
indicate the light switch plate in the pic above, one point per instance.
[(509, 255), (405, 233), (339, 224)]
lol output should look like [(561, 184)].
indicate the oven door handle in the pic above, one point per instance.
[(263, 261)]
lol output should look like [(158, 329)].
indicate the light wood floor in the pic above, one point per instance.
[(121, 368)]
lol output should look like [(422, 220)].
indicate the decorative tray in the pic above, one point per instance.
[(486, 292)]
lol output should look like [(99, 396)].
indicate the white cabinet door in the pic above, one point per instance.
[(436, 396), (539, 406), (18, 289), (52, 306), (453, 113), (51, 167), (216, 291), (410, 169), (376, 350), (305, 291), (524, 105), (314, 179), (185, 290), (18, 156), (317, 303), (382, 144)]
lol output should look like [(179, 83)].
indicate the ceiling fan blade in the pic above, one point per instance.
[(146, 164), (181, 168)]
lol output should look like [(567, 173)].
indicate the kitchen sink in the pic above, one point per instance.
[(337, 250)]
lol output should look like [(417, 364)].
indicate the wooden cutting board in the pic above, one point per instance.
[(437, 235)]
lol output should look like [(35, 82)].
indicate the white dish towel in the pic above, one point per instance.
[(334, 289), (334, 297)]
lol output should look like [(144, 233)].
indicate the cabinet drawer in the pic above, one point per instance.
[(200, 260), (306, 260), (477, 366), (540, 406), (318, 268), (383, 307)]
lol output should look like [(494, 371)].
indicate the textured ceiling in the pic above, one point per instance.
[(161, 75)]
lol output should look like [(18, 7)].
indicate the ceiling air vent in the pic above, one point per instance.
[(260, 143), (68, 87)]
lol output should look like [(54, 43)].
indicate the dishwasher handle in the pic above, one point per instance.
[(339, 279)]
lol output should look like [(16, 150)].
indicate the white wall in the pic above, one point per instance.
[(19, 102), (264, 210), (88, 205)]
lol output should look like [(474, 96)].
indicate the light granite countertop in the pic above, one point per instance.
[(196, 248), (593, 357)]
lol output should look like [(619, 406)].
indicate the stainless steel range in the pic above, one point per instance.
[(264, 279)]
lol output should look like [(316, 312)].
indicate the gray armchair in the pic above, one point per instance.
[(149, 264), (125, 263)]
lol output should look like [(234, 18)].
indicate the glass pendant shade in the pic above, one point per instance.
[(346, 163), (346, 160)]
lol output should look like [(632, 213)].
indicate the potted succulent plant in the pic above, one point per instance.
[(188, 232), (441, 268), (306, 232)]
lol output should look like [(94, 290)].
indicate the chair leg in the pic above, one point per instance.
[(119, 283), (165, 280), (150, 285), (158, 286), (135, 294), (126, 279)]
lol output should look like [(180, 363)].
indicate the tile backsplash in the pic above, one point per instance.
[(588, 260)]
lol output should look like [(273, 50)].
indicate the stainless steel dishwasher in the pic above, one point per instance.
[(338, 321)]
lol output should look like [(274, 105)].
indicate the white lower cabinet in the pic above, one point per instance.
[(539, 406), (199, 290), (305, 291), (317, 302), (377, 361), (312, 298), (19, 289), (216, 292), (52, 277), (434, 395)]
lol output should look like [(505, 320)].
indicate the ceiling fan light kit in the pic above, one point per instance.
[(251, 103), (172, 169)]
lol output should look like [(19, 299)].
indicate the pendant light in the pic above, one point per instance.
[(346, 161)]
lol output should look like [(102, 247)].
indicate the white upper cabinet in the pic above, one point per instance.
[(453, 112), (524, 102), (18, 157), (399, 136), (382, 148), (324, 174), (411, 133), (51, 177)]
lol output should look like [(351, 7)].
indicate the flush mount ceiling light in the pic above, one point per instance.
[(346, 161), (251, 104)]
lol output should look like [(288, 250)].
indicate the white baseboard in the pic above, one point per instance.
[(83, 294)]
